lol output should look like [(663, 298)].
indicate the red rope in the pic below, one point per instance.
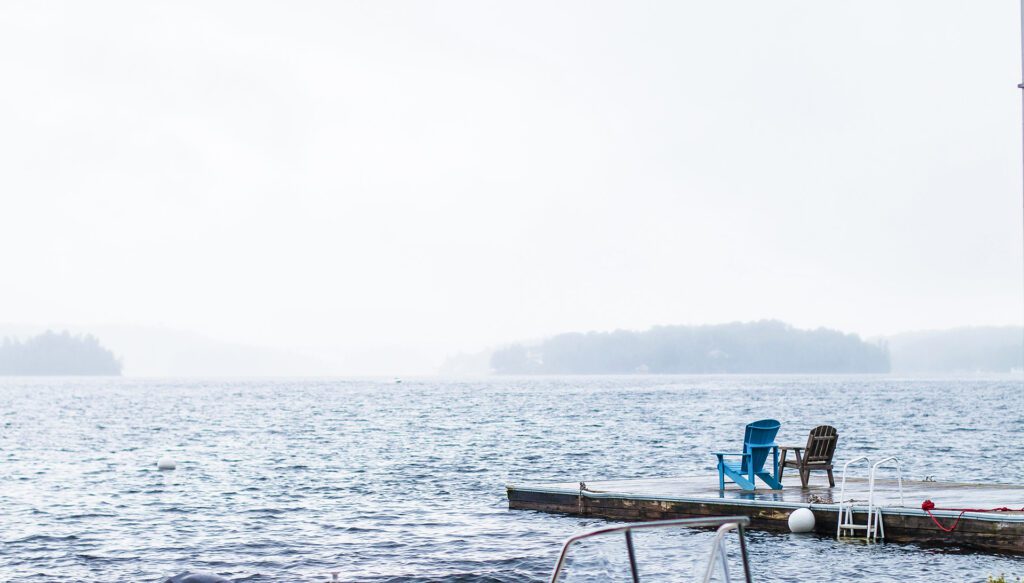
[(928, 506)]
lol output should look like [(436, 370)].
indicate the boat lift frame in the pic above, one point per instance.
[(718, 551)]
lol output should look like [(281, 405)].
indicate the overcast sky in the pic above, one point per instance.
[(416, 178)]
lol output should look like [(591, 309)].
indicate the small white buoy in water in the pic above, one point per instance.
[(166, 463), (801, 520)]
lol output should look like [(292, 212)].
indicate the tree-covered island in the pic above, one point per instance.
[(51, 353), (768, 346)]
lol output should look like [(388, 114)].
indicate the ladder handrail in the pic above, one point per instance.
[(899, 474), (724, 524), (842, 494), (874, 529), (872, 509)]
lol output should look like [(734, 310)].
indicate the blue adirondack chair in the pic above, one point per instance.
[(758, 442)]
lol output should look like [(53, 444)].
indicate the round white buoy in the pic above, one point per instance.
[(801, 520), (166, 463)]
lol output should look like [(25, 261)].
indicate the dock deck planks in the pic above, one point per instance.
[(678, 497)]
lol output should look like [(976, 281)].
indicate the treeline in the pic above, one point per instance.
[(51, 353), (767, 346)]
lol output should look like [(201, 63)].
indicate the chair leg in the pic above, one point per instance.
[(805, 476), (769, 479), (740, 478), (831, 480)]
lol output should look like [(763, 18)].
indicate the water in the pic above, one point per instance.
[(282, 480)]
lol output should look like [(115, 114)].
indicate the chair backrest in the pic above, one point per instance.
[(821, 444), (757, 439)]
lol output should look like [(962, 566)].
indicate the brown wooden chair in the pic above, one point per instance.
[(816, 455)]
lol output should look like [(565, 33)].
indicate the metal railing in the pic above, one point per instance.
[(724, 524)]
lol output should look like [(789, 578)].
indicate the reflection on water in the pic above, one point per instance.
[(288, 480)]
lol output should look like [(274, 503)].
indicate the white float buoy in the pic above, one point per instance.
[(166, 463), (801, 520)]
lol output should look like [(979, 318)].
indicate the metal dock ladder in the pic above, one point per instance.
[(873, 529), (718, 550)]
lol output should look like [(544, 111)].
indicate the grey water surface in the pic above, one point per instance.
[(288, 480)]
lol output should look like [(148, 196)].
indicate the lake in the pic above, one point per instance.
[(287, 480)]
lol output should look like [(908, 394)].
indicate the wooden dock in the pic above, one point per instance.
[(769, 509)]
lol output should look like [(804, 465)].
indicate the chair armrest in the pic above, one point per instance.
[(795, 447), (721, 453)]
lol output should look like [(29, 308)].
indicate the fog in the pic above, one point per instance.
[(377, 185)]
